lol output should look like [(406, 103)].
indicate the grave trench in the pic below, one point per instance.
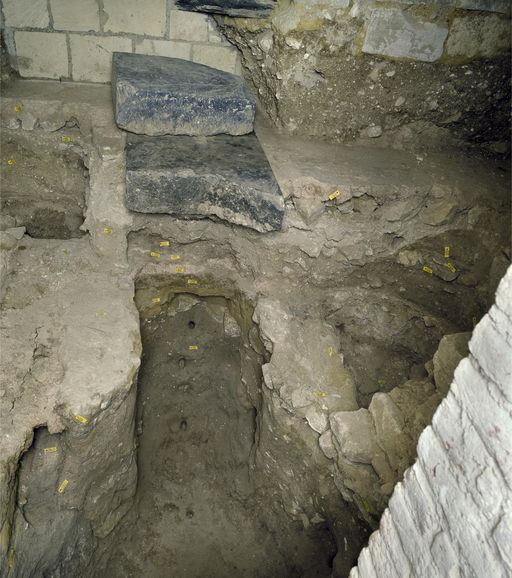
[(201, 506)]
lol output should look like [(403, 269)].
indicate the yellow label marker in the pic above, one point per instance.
[(427, 270), (382, 381), (451, 267), (50, 450), (193, 347), (81, 419), (10, 558), (334, 195), (107, 230), (62, 486), (320, 394), (474, 322), (331, 351), (192, 282), (156, 300), (447, 252), (101, 314), (11, 162), (175, 257), (155, 254), (18, 108), (164, 243), (65, 138), (180, 269)]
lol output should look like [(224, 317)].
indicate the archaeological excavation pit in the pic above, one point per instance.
[(255, 289)]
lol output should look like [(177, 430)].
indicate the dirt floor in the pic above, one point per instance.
[(196, 513)]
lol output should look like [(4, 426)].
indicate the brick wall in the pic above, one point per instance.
[(74, 39), (452, 514)]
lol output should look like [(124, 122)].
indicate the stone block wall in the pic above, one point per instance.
[(74, 39), (452, 514)]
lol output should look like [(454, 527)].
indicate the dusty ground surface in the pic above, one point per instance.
[(343, 282)]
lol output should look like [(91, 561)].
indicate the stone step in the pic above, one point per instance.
[(236, 8), (156, 95), (221, 177)]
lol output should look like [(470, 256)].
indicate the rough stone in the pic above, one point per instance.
[(222, 176), (452, 349), (353, 430), (155, 95), (236, 8), (485, 5), (392, 32)]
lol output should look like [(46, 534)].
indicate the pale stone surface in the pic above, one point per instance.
[(188, 26), (26, 13), (221, 57), (42, 54), (75, 15), (167, 48), (452, 349), (392, 32), (353, 430), (478, 36), (91, 56), (135, 17)]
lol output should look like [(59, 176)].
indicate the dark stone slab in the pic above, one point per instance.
[(155, 95), (223, 177), (236, 8)]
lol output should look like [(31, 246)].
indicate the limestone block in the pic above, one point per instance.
[(355, 436), (482, 36), (26, 13), (167, 48), (75, 15), (221, 57), (236, 8), (452, 348), (221, 176), (154, 95), (42, 54), (188, 26), (91, 56), (391, 32), (326, 445), (317, 419), (389, 426), (135, 17)]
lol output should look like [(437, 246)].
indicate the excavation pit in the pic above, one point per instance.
[(198, 508)]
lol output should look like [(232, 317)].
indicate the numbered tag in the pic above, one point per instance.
[(164, 243), (50, 450), (193, 347), (192, 282), (18, 108), (155, 300), (63, 486), (65, 138), (175, 257), (427, 270), (11, 162), (81, 419), (107, 230), (334, 195), (447, 252), (180, 269), (155, 254), (451, 267), (320, 394)]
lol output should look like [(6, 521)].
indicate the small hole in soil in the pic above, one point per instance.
[(191, 324), (183, 424), (182, 363)]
